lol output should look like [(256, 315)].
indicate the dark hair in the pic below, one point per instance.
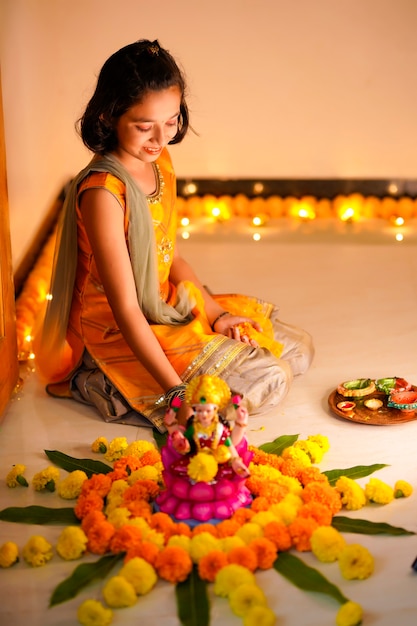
[(124, 80)]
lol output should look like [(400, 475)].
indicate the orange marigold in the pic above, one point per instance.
[(210, 564), (264, 458), (145, 549), (91, 519), (141, 490), (151, 457), (312, 474), (126, 537), (301, 530), (279, 534), (88, 502), (254, 484), (99, 483), (173, 564), (292, 467), (265, 550), (140, 508), (324, 493), (181, 528), (243, 555), (99, 536), (317, 511), (205, 528), (260, 504), (273, 492), (127, 465), (227, 528), (243, 515), (162, 523)]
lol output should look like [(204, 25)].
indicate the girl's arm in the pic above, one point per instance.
[(104, 223)]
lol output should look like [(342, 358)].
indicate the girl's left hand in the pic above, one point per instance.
[(233, 326)]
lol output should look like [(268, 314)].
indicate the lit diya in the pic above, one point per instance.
[(404, 401)]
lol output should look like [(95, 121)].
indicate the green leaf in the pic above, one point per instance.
[(39, 515), (278, 445), (70, 464), (160, 438), (351, 525), (358, 471), (82, 576), (305, 577), (193, 608)]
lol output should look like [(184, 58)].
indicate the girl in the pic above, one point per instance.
[(129, 323)]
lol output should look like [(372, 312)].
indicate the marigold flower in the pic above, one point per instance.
[(355, 561), (203, 467), (228, 543), (126, 465), (141, 490), (312, 474), (180, 540), (145, 550), (124, 538), (263, 518), (230, 577), (92, 518), (210, 564), (402, 489), (249, 531), (162, 523), (244, 597), (278, 533), (151, 457), (317, 511), (261, 503), (100, 445), (292, 467), (101, 484), (37, 551), (244, 556), (46, 479), (352, 494), (70, 488), (181, 528), (117, 489), (284, 512), (260, 457), (119, 592), (99, 536), (298, 454), (9, 554), (138, 448), (321, 492), (349, 614), (242, 515), (379, 492), (173, 564), (140, 574), (202, 544), (15, 476), (148, 472), (327, 543), (311, 448), (259, 616), (141, 509), (87, 503), (265, 550), (300, 531), (93, 613), (72, 543), (227, 528), (205, 528), (321, 440), (116, 449)]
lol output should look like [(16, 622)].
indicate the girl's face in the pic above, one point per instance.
[(146, 128)]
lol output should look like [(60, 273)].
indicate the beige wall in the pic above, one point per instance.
[(278, 88)]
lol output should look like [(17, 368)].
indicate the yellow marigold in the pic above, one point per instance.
[(250, 531), (119, 593), (148, 472), (138, 448), (265, 472), (402, 489), (379, 492), (311, 448), (349, 614), (284, 512), (9, 554), (352, 494), (37, 551), (100, 445), (298, 454), (72, 543), (327, 543), (93, 613), (321, 440), (202, 544), (15, 476), (228, 543), (140, 574), (155, 537), (116, 449), (118, 516), (202, 467), (180, 540), (291, 483), (259, 616), (355, 561), (70, 487), (117, 488), (231, 577), (244, 597), (46, 479)]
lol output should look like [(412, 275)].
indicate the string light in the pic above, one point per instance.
[(185, 221), (256, 236), (347, 214), (185, 234), (399, 237)]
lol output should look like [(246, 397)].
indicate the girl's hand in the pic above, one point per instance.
[(233, 326)]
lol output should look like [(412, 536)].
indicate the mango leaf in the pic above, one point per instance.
[(160, 438), (358, 471), (82, 576), (305, 577), (278, 445), (193, 608), (70, 464), (39, 515), (363, 526)]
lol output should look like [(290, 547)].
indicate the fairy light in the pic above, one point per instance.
[(399, 237), (28, 338), (258, 188), (189, 189), (393, 189), (399, 221), (256, 236), (48, 296), (347, 214), (215, 211), (185, 221), (185, 234)]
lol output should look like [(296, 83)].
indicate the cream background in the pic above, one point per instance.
[(278, 88)]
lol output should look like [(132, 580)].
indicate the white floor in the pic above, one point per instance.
[(354, 288)]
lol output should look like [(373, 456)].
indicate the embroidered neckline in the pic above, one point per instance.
[(155, 197)]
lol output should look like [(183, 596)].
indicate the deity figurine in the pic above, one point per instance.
[(206, 463)]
